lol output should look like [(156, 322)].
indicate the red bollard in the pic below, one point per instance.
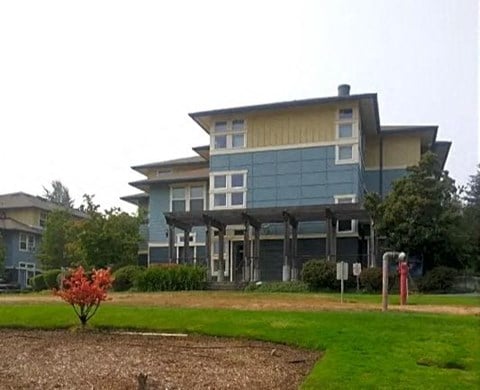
[(403, 282)]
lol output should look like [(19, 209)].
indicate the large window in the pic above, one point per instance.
[(26, 242), (228, 190), (228, 134), (346, 124), (42, 220), (345, 226), (187, 198), (346, 151)]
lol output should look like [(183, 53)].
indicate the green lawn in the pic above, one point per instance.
[(368, 350)]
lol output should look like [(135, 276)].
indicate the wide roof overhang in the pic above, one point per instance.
[(343, 211)]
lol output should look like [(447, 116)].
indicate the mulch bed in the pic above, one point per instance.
[(104, 360)]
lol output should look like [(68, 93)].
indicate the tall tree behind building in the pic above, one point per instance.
[(58, 194)]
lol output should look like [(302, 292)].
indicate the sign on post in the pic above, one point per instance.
[(342, 274), (357, 270)]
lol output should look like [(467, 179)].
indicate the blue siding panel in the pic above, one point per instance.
[(372, 179)]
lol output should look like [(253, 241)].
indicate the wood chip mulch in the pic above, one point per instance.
[(97, 360)]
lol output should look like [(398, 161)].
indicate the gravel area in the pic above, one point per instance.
[(96, 360)]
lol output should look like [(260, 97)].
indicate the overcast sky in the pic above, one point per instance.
[(90, 88)]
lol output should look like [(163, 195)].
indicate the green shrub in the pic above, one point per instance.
[(125, 277), (38, 283), (439, 279), (172, 278), (290, 287), (371, 279), (50, 278), (320, 275)]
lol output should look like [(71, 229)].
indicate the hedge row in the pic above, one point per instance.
[(172, 278), (47, 280)]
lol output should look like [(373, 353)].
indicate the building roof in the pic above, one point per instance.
[(369, 100), (19, 200), (171, 163), (12, 224), (193, 175), (135, 198)]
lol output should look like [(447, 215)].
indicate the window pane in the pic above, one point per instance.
[(220, 181), (220, 200), (178, 205), (237, 199), (345, 226), (345, 130), (196, 192), (196, 204), (238, 125), (345, 152), (238, 140), (237, 180), (220, 127), (178, 193), (220, 141), (346, 113), (344, 200)]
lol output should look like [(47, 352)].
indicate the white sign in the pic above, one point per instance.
[(357, 269), (342, 271)]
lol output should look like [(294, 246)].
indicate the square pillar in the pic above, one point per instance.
[(294, 274), (221, 260), (256, 255), (186, 246), (286, 250), (208, 250), (172, 253), (246, 253)]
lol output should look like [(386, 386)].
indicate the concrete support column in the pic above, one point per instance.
[(256, 255), (246, 253), (208, 250), (294, 274), (172, 253), (286, 250), (186, 246), (221, 250)]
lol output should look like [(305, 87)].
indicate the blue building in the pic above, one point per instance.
[(278, 184), (22, 220)]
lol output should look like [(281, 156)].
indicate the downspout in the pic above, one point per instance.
[(385, 264)]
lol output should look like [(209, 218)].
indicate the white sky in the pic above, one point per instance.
[(89, 88)]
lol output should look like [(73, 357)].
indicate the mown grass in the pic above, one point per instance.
[(367, 350)]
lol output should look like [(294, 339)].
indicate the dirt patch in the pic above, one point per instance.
[(247, 301), (94, 360)]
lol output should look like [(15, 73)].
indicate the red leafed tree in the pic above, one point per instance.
[(85, 292)]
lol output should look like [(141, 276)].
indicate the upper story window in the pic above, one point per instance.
[(187, 198), (26, 242), (346, 124), (346, 154), (228, 190), (42, 220), (229, 134)]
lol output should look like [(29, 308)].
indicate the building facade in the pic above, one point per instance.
[(278, 184), (22, 220)]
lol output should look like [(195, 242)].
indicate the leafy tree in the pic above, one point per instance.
[(110, 238), (58, 194), (471, 220), (56, 238), (422, 215), (85, 292)]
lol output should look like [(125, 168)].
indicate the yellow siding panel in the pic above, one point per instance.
[(292, 126), (401, 150), (372, 152), (27, 216)]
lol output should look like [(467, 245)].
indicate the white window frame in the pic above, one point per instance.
[(228, 190), (187, 187), (229, 134), (353, 199), (352, 160), (29, 240), (353, 121)]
